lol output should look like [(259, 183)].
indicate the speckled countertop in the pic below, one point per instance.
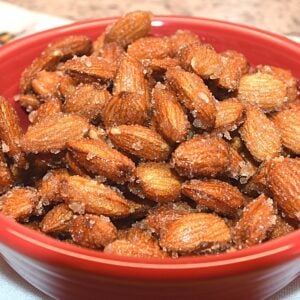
[(280, 16)]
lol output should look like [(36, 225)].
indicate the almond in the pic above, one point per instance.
[(126, 108), (48, 60), (129, 28), (200, 58), (220, 197), (194, 232), (19, 203), (50, 107), (87, 195), (67, 86), (98, 158), (285, 76), (88, 100), (140, 141), (260, 135), (57, 220), (29, 101), (195, 96), (89, 68), (234, 65), (288, 123), (157, 182), (263, 90), (159, 65), (229, 114), (11, 132), (257, 221), (46, 84), (92, 231), (258, 182), (73, 166), (169, 116), (183, 38), (6, 178), (161, 216), (283, 177), (201, 156), (281, 228), (53, 133), (150, 47)]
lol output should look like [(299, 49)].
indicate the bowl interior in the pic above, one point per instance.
[(258, 46)]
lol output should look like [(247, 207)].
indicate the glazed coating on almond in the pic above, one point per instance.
[(152, 146)]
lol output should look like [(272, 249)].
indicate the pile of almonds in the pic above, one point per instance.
[(152, 146)]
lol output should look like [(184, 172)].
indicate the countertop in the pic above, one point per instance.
[(280, 16)]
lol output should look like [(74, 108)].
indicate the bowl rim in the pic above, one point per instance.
[(30, 243)]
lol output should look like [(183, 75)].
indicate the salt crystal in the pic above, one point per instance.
[(115, 130), (77, 207), (197, 123), (90, 156), (5, 147), (227, 135), (32, 116), (137, 146), (17, 98), (203, 97)]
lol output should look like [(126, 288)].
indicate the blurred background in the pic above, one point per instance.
[(280, 16)]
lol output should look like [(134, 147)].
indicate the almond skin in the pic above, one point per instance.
[(53, 133), (157, 182), (129, 28), (57, 219), (169, 116), (258, 219), (260, 135), (48, 60), (11, 132), (73, 166), (88, 100), (194, 232), (92, 231), (183, 38), (19, 203), (126, 108), (229, 115), (6, 178), (98, 158), (87, 195), (219, 196), (194, 95), (281, 228), (263, 90), (288, 123), (201, 156), (140, 141), (161, 216), (283, 178)]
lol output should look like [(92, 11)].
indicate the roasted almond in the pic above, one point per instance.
[(98, 158), (19, 203), (283, 178), (50, 107), (11, 132), (6, 177), (161, 216), (29, 101), (260, 135), (53, 133), (201, 156), (183, 38), (281, 228), (220, 197), (67, 86), (159, 65), (194, 232), (229, 114), (200, 58), (87, 195), (169, 116), (129, 28), (288, 123), (46, 84), (88, 100), (157, 182), (194, 95), (257, 221), (234, 65), (48, 60), (57, 220), (263, 90), (89, 68), (258, 182), (126, 108), (140, 141), (150, 47), (92, 231)]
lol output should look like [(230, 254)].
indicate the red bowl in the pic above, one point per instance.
[(65, 271)]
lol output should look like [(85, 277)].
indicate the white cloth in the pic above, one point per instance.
[(20, 21)]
